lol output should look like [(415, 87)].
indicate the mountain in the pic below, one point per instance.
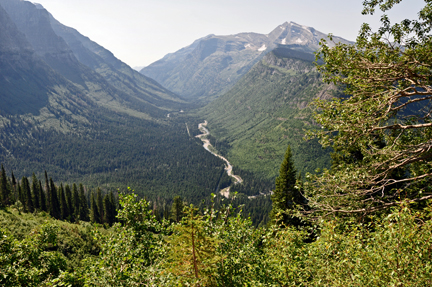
[(69, 107), (267, 110), (94, 70), (213, 64)]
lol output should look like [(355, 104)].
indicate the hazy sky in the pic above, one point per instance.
[(140, 32)]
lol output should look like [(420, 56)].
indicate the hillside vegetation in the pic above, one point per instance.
[(266, 111)]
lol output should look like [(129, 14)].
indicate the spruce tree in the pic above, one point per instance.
[(177, 209), (5, 191), (28, 201), (84, 208), (108, 210), (75, 202), (68, 195), (64, 210), (94, 212), (42, 198), (35, 192), (21, 198), (114, 207), (99, 202), (285, 194), (54, 201)]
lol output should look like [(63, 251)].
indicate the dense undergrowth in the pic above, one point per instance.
[(212, 247)]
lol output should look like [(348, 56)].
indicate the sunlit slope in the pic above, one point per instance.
[(266, 111), (213, 64)]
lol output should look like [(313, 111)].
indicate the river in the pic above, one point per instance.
[(228, 166)]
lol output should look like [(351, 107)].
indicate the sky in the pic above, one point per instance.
[(140, 32)]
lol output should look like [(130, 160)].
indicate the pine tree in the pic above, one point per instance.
[(42, 198), (54, 201), (108, 210), (5, 191), (285, 194), (28, 201), (14, 187), (64, 210), (68, 195), (94, 212), (114, 207), (21, 198), (75, 202), (35, 192), (177, 209), (84, 208), (99, 202)]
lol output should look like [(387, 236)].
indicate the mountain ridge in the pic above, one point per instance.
[(211, 65)]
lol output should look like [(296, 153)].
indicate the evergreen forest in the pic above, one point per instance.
[(127, 202)]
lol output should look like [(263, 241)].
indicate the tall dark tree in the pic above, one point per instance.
[(64, 210), (5, 190), (48, 194), (75, 202), (108, 210), (54, 204), (28, 201), (21, 198), (113, 207), (42, 198), (94, 212), (84, 208), (35, 192), (99, 202), (68, 195), (14, 189), (177, 209), (285, 194)]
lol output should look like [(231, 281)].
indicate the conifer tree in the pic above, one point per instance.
[(35, 192), (75, 202), (108, 210), (42, 198), (84, 208), (99, 202), (285, 194), (48, 194), (63, 204), (94, 212), (5, 191), (177, 209), (68, 195), (13, 181), (54, 201), (21, 198), (28, 201)]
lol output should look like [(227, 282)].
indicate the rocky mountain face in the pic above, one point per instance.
[(212, 65), (266, 111), (91, 69)]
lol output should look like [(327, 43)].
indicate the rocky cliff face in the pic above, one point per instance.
[(212, 65), (70, 62)]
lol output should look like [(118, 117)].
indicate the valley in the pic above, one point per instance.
[(228, 167), (88, 117)]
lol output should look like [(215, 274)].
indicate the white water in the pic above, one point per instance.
[(228, 166)]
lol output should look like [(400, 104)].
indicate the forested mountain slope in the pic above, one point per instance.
[(100, 124), (266, 111), (213, 64)]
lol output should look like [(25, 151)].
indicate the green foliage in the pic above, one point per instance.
[(264, 112), (130, 252), (285, 195), (381, 132)]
